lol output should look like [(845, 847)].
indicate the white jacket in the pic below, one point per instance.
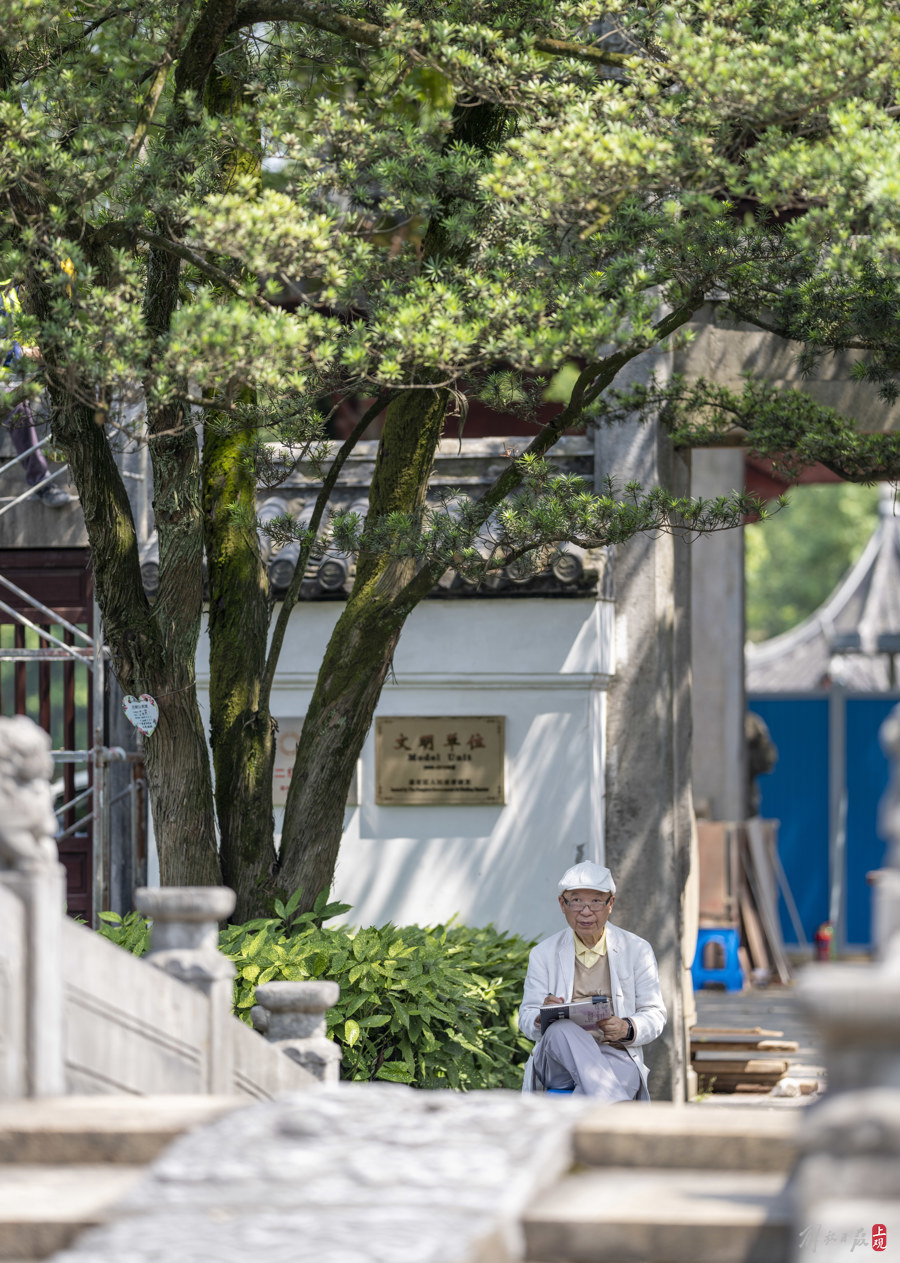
[(634, 982)]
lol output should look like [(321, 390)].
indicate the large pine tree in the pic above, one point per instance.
[(460, 200)]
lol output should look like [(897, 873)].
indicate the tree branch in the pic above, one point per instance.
[(369, 35), (591, 383), (160, 75), (203, 46), (113, 232), (759, 323), (65, 49), (788, 336), (583, 52), (148, 109), (319, 16), (293, 589)]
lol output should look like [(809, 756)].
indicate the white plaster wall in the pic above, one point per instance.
[(544, 665)]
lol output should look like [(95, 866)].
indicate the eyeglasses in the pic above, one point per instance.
[(594, 904)]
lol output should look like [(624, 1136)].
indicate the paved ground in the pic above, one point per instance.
[(772, 1008)]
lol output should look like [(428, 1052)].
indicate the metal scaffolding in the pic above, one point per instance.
[(92, 654)]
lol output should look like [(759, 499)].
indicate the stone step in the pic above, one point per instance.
[(43, 1208), (661, 1216), (102, 1129), (732, 1138)]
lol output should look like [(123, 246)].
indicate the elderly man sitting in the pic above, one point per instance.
[(587, 959)]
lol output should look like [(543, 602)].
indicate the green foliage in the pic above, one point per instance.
[(131, 931), (434, 1006), (787, 426), (548, 508), (794, 562), (425, 241)]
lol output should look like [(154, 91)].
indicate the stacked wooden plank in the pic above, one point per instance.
[(740, 879), (742, 1060), (758, 900)]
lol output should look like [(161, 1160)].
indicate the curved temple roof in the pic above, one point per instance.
[(850, 638)]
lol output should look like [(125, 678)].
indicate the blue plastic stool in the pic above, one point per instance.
[(731, 974)]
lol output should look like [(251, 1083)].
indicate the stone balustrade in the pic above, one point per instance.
[(32, 904), (185, 918), (79, 1014), (184, 943), (291, 1015)]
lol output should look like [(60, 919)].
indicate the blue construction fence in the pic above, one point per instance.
[(825, 791)]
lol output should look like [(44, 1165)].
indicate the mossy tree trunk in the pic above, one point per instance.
[(241, 731), (359, 654), (178, 768), (153, 646), (177, 757)]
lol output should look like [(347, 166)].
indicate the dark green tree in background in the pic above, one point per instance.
[(795, 561)]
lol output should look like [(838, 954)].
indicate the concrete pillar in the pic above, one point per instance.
[(717, 655), (291, 1015), (648, 790), (847, 1185), (185, 943)]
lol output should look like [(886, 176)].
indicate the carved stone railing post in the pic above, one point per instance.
[(848, 1179), (185, 943), (31, 978), (291, 1015)]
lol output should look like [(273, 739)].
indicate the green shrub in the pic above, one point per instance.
[(131, 931), (432, 1006)]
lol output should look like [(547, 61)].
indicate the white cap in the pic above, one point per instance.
[(587, 876)]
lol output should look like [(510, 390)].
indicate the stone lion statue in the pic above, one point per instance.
[(27, 821)]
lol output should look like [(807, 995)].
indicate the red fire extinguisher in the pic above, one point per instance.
[(824, 941)]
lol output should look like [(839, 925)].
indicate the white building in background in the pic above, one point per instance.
[(543, 665)]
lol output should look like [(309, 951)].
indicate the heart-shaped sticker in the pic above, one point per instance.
[(142, 711)]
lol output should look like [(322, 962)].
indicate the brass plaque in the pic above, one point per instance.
[(287, 738), (448, 760)]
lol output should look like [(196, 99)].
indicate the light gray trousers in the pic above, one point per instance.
[(567, 1054)]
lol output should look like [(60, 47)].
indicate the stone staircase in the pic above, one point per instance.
[(671, 1184), (665, 1184), (65, 1161)]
